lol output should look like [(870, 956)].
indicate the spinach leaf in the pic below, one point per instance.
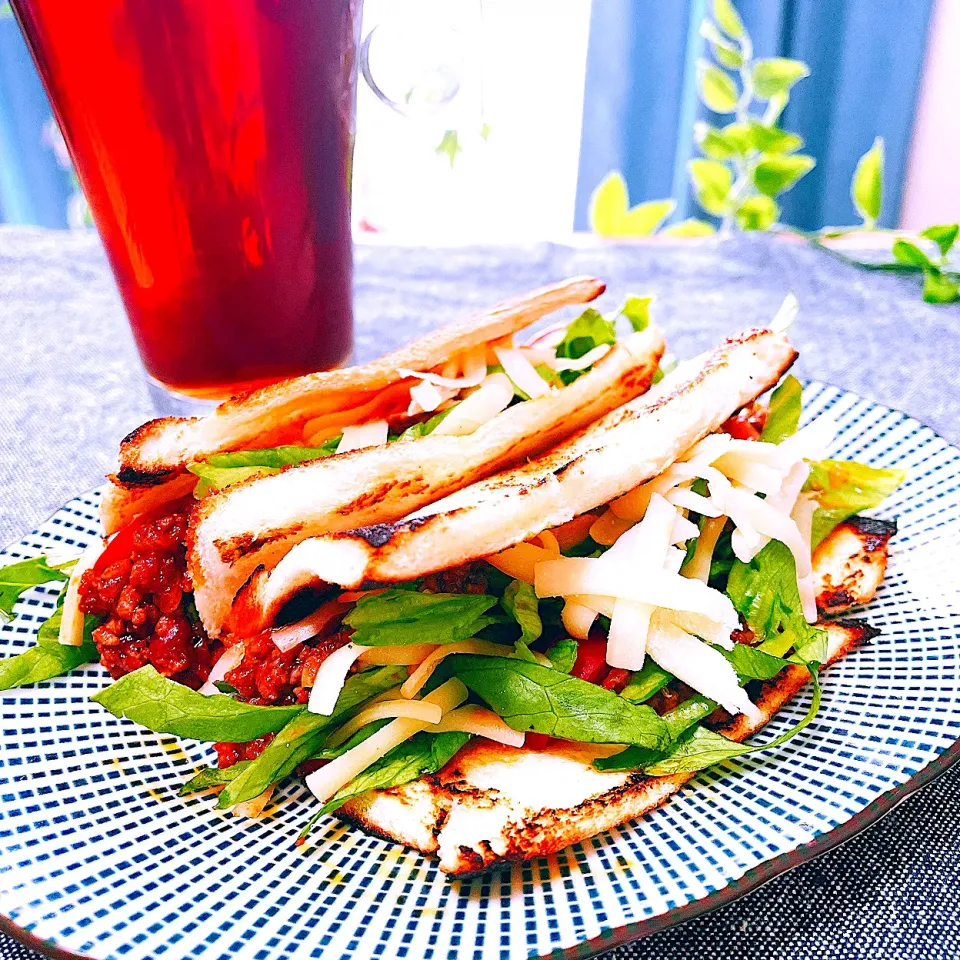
[(422, 753), (520, 601), (563, 654), (17, 578), (213, 777), (753, 663), (529, 696), (783, 414), (405, 616), (165, 706), (222, 470), (303, 737), (844, 488)]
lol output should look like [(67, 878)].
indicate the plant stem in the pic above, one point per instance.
[(742, 166)]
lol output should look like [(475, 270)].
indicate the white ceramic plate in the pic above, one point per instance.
[(100, 858)]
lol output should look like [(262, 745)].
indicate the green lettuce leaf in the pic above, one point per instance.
[(520, 601), (563, 654), (529, 696), (207, 777), (844, 488), (645, 682), (425, 427), (405, 616), (17, 578), (222, 470), (589, 330), (49, 658), (783, 414), (637, 312), (303, 737), (423, 753), (165, 706)]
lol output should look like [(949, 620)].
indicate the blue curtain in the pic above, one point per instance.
[(34, 187), (640, 104)]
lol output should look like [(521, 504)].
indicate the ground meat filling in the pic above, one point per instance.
[(143, 594)]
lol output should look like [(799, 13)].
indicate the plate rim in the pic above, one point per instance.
[(764, 872)]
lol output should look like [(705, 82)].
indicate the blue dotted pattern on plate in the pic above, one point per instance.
[(101, 858)]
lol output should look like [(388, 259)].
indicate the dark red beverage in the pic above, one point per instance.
[(213, 140)]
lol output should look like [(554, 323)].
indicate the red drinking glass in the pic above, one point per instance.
[(213, 140)]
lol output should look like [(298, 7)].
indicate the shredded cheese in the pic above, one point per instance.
[(425, 397), (684, 497), (484, 648), (579, 575), (230, 658), (386, 710), (549, 542), (292, 635), (372, 434), (71, 617), (253, 809), (574, 531), (608, 528), (482, 722), (474, 370), (578, 618), (331, 676), (492, 397), (520, 561), (698, 566), (521, 371), (326, 781), (405, 654), (699, 666)]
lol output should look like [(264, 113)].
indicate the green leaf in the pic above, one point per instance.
[(692, 227), (304, 736), (704, 748), (757, 213), (717, 144), (425, 427), (752, 663), (866, 187), (939, 289), (19, 577), (207, 777), (222, 470), (907, 252), (777, 75), (943, 235), (589, 330), (449, 145), (647, 681), (637, 312), (529, 696), (46, 660), (405, 616), (711, 182), (783, 412), (520, 601), (725, 13), (844, 488), (778, 172), (717, 90), (725, 52), (422, 753), (563, 654), (611, 215), (770, 139), (166, 706), (330, 753)]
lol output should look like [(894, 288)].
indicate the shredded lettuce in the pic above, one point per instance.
[(520, 601), (563, 654), (843, 488)]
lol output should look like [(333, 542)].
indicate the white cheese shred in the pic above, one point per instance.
[(230, 658), (386, 710), (71, 617), (521, 371), (492, 397), (326, 781), (331, 676), (478, 720), (372, 434)]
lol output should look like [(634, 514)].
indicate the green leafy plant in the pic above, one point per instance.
[(749, 160)]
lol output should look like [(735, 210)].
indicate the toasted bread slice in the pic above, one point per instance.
[(165, 446), (493, 804), (849, 564), (628, 446), (254, 524)]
